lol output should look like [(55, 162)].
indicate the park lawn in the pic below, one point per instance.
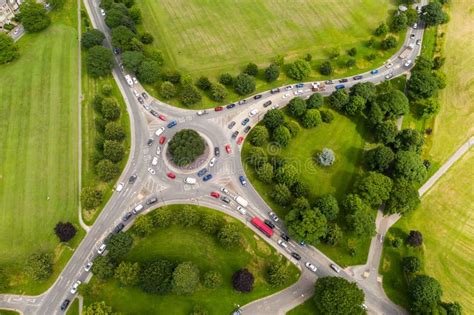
[(6, 312), (191, 244), (74, 308), (39, 141), (445, 220), (346, 138), (307, 308)]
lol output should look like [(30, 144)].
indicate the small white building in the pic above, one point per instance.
[(8, 9)]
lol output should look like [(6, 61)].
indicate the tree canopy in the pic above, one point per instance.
[(425, 293), (409, 166), (337, 296), (374, 188), (91, 38), (8, 49), (185, 278), (244, 84), (298, 70), (186, 146), (33, 16), (308, 225), (99, 61)]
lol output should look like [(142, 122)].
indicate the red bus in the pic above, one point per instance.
[(262, 226)]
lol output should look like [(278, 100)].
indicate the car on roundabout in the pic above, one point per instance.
[(242, 180), (172, 124), (159, 131), (228, 149), (162, 139), (245, 121), (212, 161), (215, 194), (151, 171), (202, 172), (240, 140), (161, 117), (132, 179), (207, 177), (171, 175)]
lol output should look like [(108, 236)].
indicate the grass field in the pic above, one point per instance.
[(445, 220), (191, 244), (38, 141), (74, 308), (307, 308), (455, 122)]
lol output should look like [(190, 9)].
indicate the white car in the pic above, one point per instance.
[(136, 93), (212, 161), (275, 106), (88, 266), (310, 266), (415, 26), (15, 31), (101, 249), (241, 210), (75, 286), (119, 187), (335, 268), (201, 112), (135, 81), (282, 244), (224, 190), (286, 96), (253, 112), (388, 76), (137, 209), (158, 150), (102, 12), (147, 107), (389, 65), (154, 162), (159, 131), (152, 171), (408, 63)]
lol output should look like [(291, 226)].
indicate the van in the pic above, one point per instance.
[(137, 209), (159, 131), (190, 180)]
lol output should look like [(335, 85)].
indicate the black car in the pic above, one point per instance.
[(144, 95), (65, 304), (247, 129), (269, 224), (116, 50), (276, 90), (225, 199), (296, 256), (132, 179), (231, 124), (127, 216), (230, 106), (149, 142), (343, 80), (235, 134), (267, 103), (154, 113), (256, 97), (242, 102), (140, 100), (285, 237), (151, 201), (119, 228), (217, 152), (357, 77)]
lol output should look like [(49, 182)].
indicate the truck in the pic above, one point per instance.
[(241, 201), (405, 53), (262, 226)]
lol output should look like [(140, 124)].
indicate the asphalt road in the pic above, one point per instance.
[(228, 167)]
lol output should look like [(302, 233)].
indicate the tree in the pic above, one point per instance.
[(311, 119), (148, 71), (113, 150), (328, 206), (333, 235), (293, 127), (99, 61), (242, 280), (167, 90), (156, 276), (298, 70), (135, 15), (99, 308), (453, 308), (8, 49), (350, 62), (415, 238), (355, 105), (117, 16), (438, 62), (379, 159), (412, 16), (272, 72), (301, 203), (277, 274), (374, 188), (91, 198), (103, 268), (33, 16), (188, 216), (132, 60), (143, 226), (106, 170), (39, 266), (315, 101), (381, 30), (325, 68), (210, 223), (127, 273), (251, 69), (189, 95), (212, 279), (424, 293), (411, 264), (218, 92), (273, 119), (185, 278), (299, 189), (281, 136), (308, 225), (398, 22), (423, 64), (91, 38), (375, 115), (386, 132), (337, 296), (258, 136), (394, 103), (123, 38), (338, 99), (432, 14), (326, 116), (409, 166), (114, 131), (110, 109), (256, 157), (326, 157), (146, 38), (65, 231), (119, 245), (428, 107), (409, 140), (422, 84), (366, 90), (162, 217), (229, 236), (265, 173), (204, 83), (297, 107), (244, 84), (286, 175), (388, 42), (185, 147), (226, 79), (440, 79), (281, 194)]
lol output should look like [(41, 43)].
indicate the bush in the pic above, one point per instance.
[(65, 231), (189, 95), (311, 119), (277, 274), (265, 173), (256, 157), (281, 136), (91, 38), (185, 278), (293, 127), (113, 151), (106, 170), (114, 131), (212, 279), (218, 92), (244, 84), (99, 61), (272, 72), (415, 238), (316, 100), (39, 266), (203, 83), (258, 136), (281, 194), (110, 109), (381, 30), (167, 90), (325, 68), (242, 280), (185, 147), (8, 49), (388, 43), (91, 197), (146, 38), (326, 116), (229, 236), (326, 157), (251, 69), (411, 264), (298, 70), (350, 62), (226, 79)]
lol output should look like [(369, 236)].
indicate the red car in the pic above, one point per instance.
[(162, 139), (162, 117), (240, 140), (171, 175), (228, 149), (218, 108), (215, 194)]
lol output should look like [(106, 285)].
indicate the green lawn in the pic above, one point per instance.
[(5, 312), (445, 220), (307, 308), (346, 138), (191, 244), (74, 308), (39, 150)]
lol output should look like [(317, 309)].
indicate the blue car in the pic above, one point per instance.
[(245, 121), (374, 71), (172, 124), (340, 86), (230, 106), (299, 85), (207, 177), (202, 172), (242, 180)]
